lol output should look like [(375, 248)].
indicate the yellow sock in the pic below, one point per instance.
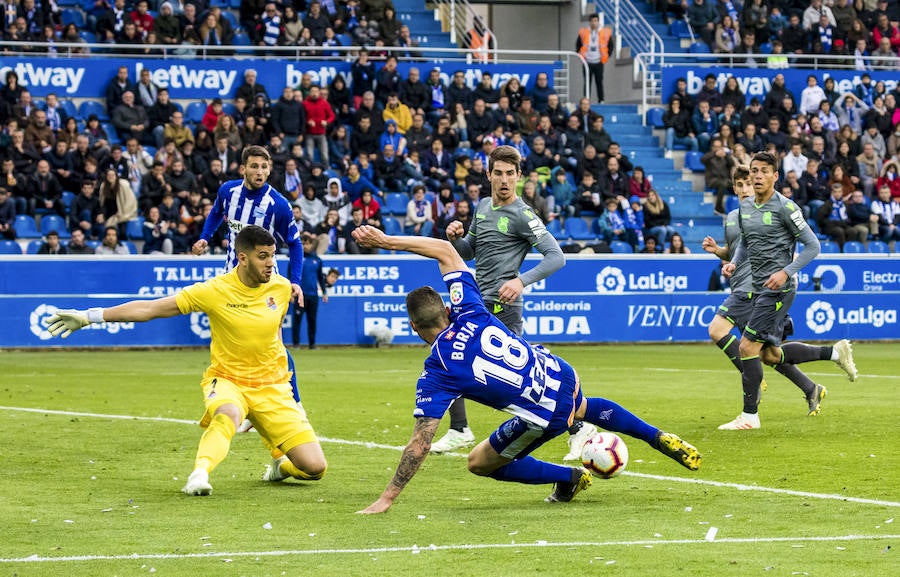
[(215, 442), (288, 468)]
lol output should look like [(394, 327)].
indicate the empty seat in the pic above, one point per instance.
[(699, 48), (391, 225), (33, 246), (579, 229), (54, 222), (395, 202), (194, 112), (878, 247), (655, 117), (854, 247), (89, 107), (72, 16), (692, 162), (10, 247), (134, 230), (554, 227), (620, 247), (26, 227), (828, 247)]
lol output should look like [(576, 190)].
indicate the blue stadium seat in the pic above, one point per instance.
[(112, 134), (854, 247), (71, 16), (765, 48), (578, 229), (345, 39), (219, 3), (232, 19), (67, 198), (92, 243), (878, 247), (731, 203), (655, 117), (10, 247), (829, 247), (89, 107), (151, 150), (33, 246), (620, 247), (134, 230), (229, 108), (554, 227), (132, 249), (395, 202), (699, 48), (679, 29), (54, 222), (391, 225), (26, 227), (69, 108), (241, 39), (40, 104), (234, 4), (88, 36), (692, 162), (194, 112)]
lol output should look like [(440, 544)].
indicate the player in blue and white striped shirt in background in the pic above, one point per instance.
[(252, 200)]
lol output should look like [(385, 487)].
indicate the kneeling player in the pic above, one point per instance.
[(473, 355), (248, 375)]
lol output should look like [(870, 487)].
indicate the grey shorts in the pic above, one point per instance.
[(770, 313), (737, 309), (509, 315)]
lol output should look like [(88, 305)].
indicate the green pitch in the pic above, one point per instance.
[(84, 491)]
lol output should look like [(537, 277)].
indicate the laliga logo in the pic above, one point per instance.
[(821, 278), (200, 325), (610, 280), (820, 317), (39, 318)]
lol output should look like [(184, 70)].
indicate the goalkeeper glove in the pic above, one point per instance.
[(65, 322)]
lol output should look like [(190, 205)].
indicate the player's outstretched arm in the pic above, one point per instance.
[(440, 250), (65, 322), (711, 246), (413, 456)]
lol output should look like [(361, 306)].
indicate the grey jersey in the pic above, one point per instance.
[(742, 278), (502, 236), (770, 232)]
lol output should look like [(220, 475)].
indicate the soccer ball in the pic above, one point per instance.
[(605, 455)]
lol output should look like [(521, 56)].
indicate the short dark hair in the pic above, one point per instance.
[(254, 150), (767, 158), (252, 236), (741, 172), (426, 308), (594, 16), (53, 233), (505, 153)]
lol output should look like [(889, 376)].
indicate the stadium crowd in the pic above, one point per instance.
[(404, 153)]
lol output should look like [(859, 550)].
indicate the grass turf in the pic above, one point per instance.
[(80, 493)]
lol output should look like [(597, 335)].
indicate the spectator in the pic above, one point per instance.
[(839, 176), (388, 169), (371, 208), (61, 166), (752, 141), (111, 244), (7, 215), (11, 92), (859, 212), (702, 17), (414, 93), (313, 209), (885, 29), (180, 181), (613, 183), (336, 199), (418, 214), (540, 94), (657, 219), (331, 229), (833, 220), (130, 120), (52, 245), (727, 36), (611, 223), (44, 191), (704, 124), (398, 112), (229, 157), (38, 133), (679, 128), (369, 108), (159, 114), (363, 73), (719, 165), (77, 245), (117, 202), (811, 97), (870, 165), (890, 177), (813, 14), (885, 215), (459, 92), (130, 36), (166, 25), (437, 165), (538, 203), (157, 236), (638, 184), (794, 161), (676, 245), (776, 137), (119, 85), (55, 115), (710, 93)]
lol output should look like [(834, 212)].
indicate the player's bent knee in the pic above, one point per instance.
[(232, 411)]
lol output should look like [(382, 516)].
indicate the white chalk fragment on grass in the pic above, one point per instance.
[(711, 534), (267, 526)]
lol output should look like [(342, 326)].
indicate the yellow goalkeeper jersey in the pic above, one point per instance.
[(245, 325)]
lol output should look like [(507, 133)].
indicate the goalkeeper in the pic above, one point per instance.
[(248, 374)]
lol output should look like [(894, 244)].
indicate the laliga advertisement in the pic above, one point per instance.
[(592, 299), (207, 79), (756, 82)]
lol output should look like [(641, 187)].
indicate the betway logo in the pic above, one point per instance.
[(611, 280), (57, 77), (670, 316), (185, 77)]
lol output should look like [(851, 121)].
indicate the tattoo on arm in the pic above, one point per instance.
[(415, 452)]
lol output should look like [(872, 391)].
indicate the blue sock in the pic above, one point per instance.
[(294, 389), (616, 418), (530, 471)]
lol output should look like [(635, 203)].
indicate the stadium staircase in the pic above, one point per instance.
[(692, 211)]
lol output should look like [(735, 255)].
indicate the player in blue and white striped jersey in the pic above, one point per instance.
[(252, 200), (474, 355)]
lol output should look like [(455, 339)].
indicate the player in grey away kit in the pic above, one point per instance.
[(736, 309), (770, 227), (504, 229)]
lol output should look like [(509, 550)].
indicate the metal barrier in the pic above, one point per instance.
[(568, 60), (630, 27)]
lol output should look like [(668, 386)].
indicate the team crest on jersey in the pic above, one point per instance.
[(767, 218), (259, 212), (270, 302), (503, 224), (456, 293)]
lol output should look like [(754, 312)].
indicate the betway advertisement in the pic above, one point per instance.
[(592, 299), (195, 79), (756, 82)]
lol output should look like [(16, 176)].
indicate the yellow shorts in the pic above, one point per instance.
[(281, 422)]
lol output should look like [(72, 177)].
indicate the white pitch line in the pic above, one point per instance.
[(370, 445), (731, 371), (460, 547)]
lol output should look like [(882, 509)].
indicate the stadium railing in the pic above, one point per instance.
[(569, 62)]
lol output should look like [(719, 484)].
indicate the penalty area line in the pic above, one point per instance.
[(370, 445), (459, 547)]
